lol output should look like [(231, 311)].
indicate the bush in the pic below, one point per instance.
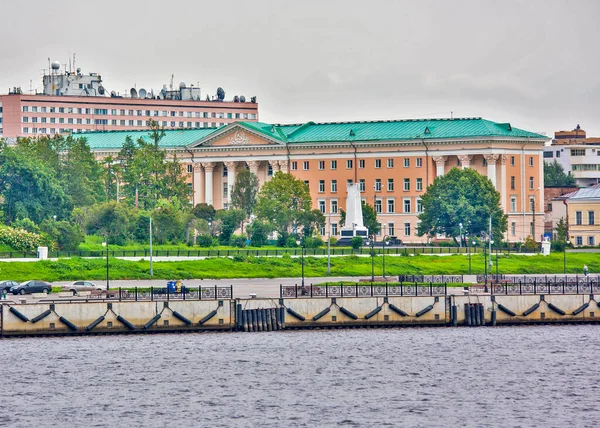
[(356, 242), (21, 240), (530, 243), (313, 242), (333, 241), (258, 232), (290, 242), (238, 240), (66, 235), (204, 241)]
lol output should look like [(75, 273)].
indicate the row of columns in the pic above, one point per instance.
[(491, 160), (205, 181)]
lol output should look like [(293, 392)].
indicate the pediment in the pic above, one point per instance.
[(237, 136)]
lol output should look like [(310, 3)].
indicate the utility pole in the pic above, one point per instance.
[(151, 269), (490, 243)]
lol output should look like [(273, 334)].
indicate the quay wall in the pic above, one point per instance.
[(295, 313)]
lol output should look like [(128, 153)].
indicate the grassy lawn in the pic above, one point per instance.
[(275, 267)]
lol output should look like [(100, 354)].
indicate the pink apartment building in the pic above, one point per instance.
[(76, 103)]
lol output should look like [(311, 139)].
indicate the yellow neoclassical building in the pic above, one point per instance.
[(393, 161)]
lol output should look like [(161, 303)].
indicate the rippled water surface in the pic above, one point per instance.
[(490, 377)]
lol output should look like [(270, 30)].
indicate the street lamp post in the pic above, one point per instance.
[(371, 243), (468, 250), (385, 242), (298, 242), (491, 268), (485, 271), (151, 268), (329, 247), (105, 244), (567, 242), (460, 235)]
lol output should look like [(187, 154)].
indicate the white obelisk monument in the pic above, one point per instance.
[(354, 225)]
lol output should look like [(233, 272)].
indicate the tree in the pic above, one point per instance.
[(110, 219), (554, 175), (245, 190), (259, 233), (311, 222), (65, 234), (204, 211), (282, 202), (369, 218), (168, 222), (461, 196), (231, 220)]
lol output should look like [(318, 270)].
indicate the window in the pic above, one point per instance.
[(548, 154), (361, 183), (531, 227), (34, 109), (512, 161), (419, 184), (225, 188), (578, 218), (390, 163), (378, 184), (406, 163), (322, 206), (348, 182), (390, 185), (406, 228), (321, 186), (391, 205), (34, 119), (334, 228), (530, 160), (333, 164), (25, 130), (305, 165), (334, 206), (579, 240), (294, 165), (406, 184), (419, 206), (419, 162), (591, 241), (558, 153), (225, 172), (25, 119), (333, 186), (407, 205), (577, 152), (377, 163), (361, 163), (391, 231), (25, 109), (530, 183), (307, 184), (190, 169), (513, 228), (512, 182), (513, 204), (378, 206), (321, 165), (270, 170), (532, 203), (591, 219), (349, 164)]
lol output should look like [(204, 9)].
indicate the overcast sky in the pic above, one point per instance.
[(535, 64)]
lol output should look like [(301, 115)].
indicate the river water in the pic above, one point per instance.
[(423, 377)]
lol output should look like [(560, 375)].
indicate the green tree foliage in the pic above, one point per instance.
[(311, 222), (109, 219), (204, 211), (169, 223), (146, 171), (282, 202), (259, 233), (461, 196), (231, 221), (554, 175), (369, 218), (245, 191), (356, 242), (29, 188), (66, 235)]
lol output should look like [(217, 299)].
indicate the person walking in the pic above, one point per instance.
[(585, 270)]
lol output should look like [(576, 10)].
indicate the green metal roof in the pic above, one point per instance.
[(310, 132), (172, 138)]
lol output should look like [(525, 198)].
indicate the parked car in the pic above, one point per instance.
[(33, 286), (76, 286), (7, 285)]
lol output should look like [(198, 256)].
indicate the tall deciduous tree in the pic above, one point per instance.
[(245, 191), (282, 202), (554, 175), (461, 196)]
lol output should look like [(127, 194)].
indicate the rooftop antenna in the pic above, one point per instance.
[(451, 115), (172, 77)]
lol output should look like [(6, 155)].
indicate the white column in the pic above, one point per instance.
[(230, 180), (283, 166), (491, 168), (465, 161), (440, 163), (209, 167), (253, 166), (198, 184)]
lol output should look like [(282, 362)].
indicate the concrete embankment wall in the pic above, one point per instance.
[(115, 317), (227, 315)]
